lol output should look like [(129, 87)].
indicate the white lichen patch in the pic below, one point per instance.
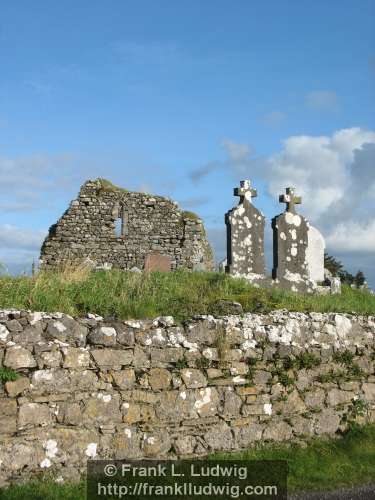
[(343, 325), (296, 277), (60, 327), (45, 463), (283, 235), (128, 433), (183, 395), (4, 332), (239, 380), (106, 398), (267, 408), (205, 398), (291, 218), (91, 450), (108, 331), (51, 448)]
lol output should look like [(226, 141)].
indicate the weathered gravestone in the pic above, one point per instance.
[(157, 262), (290, 243), (245, 236), (315, 254)]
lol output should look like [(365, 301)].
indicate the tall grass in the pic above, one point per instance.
[(121, 294)]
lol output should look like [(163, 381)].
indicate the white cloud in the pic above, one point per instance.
[(322, 100), (273, 118), (236, 152), (352, 236), (16, 238), (334, 174)]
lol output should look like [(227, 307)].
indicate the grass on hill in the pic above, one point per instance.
[(181, 294), (324, 464)]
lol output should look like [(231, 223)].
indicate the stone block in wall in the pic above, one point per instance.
[(302, 426), (327, 422), (369, 391), (185, 445), (246, 436), (159, 378), (49, 359), (69, 413), (8, 416), (49, 381), (166, 356), (17, 387), (102, 408), (34, 414), (219, 437), (126, 443), (293, 404), (17, 357), (156, 444), (277, 431), (175, 405), (315, 398), (112, 358), (124, 379), (76, 357), (337, 397), (193, 378), (83, 380), (232, 403), (206, 401), (29, 335), (103, 335), (141, 357)]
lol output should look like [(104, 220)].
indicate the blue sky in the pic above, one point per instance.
[(184, 99)]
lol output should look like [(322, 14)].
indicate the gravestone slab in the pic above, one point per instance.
[(157, 262), (245, 236), (290, 238), (315, 254)]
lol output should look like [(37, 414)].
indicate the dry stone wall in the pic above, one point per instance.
[(149, 225), (90, 388)]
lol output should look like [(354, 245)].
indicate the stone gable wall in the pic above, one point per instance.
[(152, 224), (90, 388)]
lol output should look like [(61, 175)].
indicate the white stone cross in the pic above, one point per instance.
[(245, 191)]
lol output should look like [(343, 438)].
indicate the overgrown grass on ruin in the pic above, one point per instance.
[(324, 464), (126, 295)]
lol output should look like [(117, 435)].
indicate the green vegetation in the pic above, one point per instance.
[(45, 490), (7, 374), (324, 464), (186, 214), (346, 358), (107, 187), (182, 294), (337, 269)]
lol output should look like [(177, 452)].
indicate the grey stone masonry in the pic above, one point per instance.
[(290, 243), (245, 236), (91, 388), (109, 227)]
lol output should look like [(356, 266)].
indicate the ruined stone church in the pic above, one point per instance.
[(108, 226)]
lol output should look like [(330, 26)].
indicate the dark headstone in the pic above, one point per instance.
[(245, 236), (290, 242), (157, 262)]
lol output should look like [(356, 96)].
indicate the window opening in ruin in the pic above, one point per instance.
[(118, 227), (120, 224)]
